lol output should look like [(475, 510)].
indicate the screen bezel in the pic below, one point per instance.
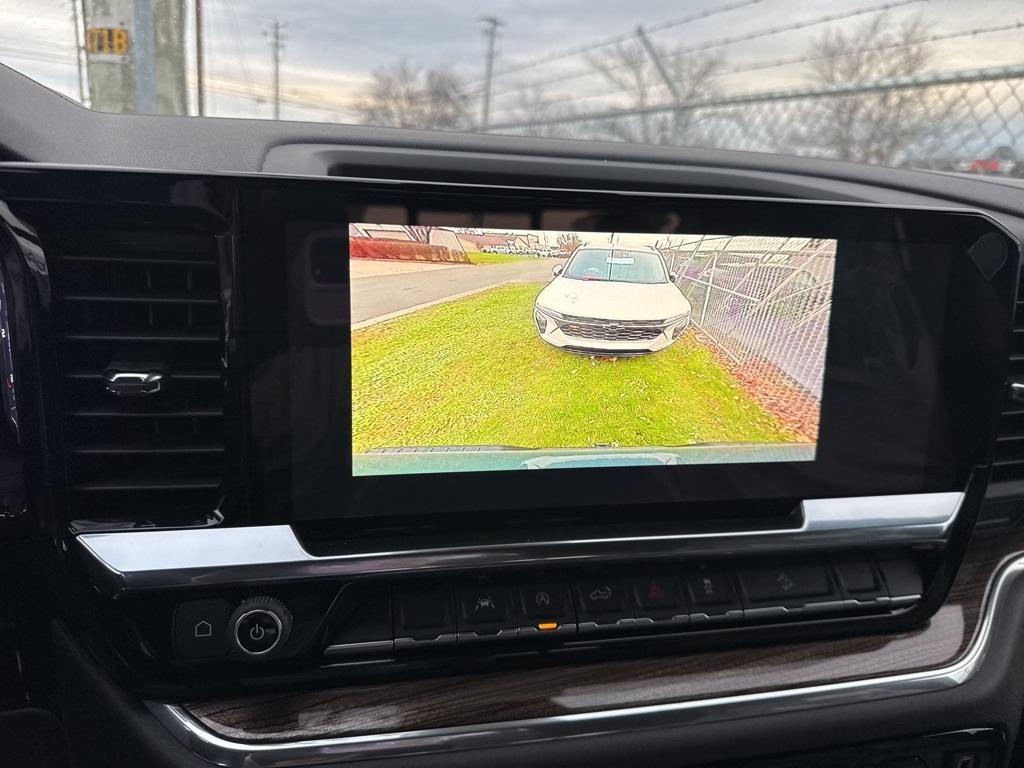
[(276, 218)]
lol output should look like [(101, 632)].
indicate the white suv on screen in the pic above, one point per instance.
[(612, 301)]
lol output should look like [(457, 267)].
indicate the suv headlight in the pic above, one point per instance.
[(674, 326), (540, 320), (677, 319), (544, 317)]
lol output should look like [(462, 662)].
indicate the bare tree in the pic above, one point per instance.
[(631, 81), (631, 71), (404, 95), (871, 127), (568, 242), (534, 104), (419, 233)]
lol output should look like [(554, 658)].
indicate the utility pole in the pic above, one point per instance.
[(200, 68), (666, 78), (276, 43), (78, 51), (144, 57), (491, 33)]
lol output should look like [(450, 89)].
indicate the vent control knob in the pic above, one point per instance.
[(260, 626), (133, 383)]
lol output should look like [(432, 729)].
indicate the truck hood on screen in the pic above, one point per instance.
[(607, 300), (492, 458)]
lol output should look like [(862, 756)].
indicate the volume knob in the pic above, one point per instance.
[(260, 626)]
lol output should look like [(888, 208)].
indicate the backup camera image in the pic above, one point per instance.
[(485, 349)]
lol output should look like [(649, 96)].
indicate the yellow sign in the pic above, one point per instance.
[(106, 41)]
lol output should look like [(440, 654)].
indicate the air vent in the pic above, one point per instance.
[(1008, 462), (138, 291)]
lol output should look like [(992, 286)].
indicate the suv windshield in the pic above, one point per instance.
[(616, 265), (933, 85)]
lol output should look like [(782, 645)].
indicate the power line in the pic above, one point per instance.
[(27, 55), (942, 79), (721, 42), (757, 66), (214, 84), (290, 97), (649, 29), (246, 74), (57, 51), (803, 59)]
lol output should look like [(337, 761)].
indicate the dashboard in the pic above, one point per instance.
[(412, 468)]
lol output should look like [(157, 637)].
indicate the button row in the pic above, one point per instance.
[(431, 616)]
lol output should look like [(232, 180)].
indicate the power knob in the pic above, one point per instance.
[(260, 626)]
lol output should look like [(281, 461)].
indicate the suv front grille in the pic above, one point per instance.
[(610, 331)]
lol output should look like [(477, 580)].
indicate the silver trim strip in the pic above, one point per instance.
[(139, 560), (354, 649), (235, 754)]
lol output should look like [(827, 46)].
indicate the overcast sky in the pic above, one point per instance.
[(332, 47)]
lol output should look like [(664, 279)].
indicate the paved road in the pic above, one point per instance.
[(385, 294)]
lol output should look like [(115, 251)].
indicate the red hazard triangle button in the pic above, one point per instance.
[(657, 592)]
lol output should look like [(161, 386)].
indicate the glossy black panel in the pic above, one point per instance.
[(918, 346), (917, 349)]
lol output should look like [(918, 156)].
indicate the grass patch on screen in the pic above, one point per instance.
[(473, 372)]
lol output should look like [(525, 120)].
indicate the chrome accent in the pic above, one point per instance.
[(236, 754), (465, 636), (561, 629), (703, 618), (138, 560), (904, 599), (265, 651), (1017, 391), (133, 383), (448, 638), (368, 647)]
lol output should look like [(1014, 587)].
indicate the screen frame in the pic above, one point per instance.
[(268, 210)]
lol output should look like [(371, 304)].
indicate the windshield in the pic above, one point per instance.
[(935, 85), (616, 265)]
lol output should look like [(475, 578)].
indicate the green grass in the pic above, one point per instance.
[(474, 372), (477, 257)]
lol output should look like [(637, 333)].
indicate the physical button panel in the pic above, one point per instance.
[(658, 598)]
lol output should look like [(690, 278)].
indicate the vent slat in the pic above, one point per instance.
[(148, 485), (133, 260), (151, 450), (125, 412), (146, 294), (178, 375), (153, 337), (156, 298)]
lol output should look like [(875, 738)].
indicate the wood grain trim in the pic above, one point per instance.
[(504, 696)]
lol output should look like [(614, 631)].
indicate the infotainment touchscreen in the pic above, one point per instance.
[(509, 349), (428, 352)]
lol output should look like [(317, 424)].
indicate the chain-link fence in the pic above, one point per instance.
[(965, 121), (762, 304)]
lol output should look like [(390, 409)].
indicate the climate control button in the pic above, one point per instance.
[(260, 626)]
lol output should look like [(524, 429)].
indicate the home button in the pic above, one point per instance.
[(199, 629)]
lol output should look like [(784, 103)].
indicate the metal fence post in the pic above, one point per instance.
[(707, 294)]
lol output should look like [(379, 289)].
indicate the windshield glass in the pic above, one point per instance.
[(616, 265), (936, 85)]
